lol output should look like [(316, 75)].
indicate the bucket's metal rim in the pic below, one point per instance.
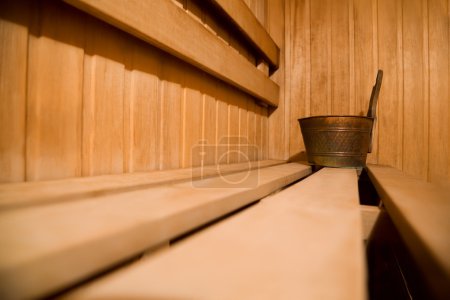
[(337, 116)]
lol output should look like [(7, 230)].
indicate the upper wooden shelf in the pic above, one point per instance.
[(168, 27), (249, 25)]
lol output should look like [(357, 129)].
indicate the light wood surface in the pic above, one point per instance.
[(340, 60), (390, 117), (336, 49), (165, 25), (103, 102), (439, 130), (54, 111), (302, 243), (41, 244), (24, 194), (119, 110), (242, 15), (420, 211), (369, 215), (415, 83), (278, 130), (13, 77)]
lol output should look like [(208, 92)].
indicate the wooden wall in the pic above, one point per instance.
[(73, 104), (80, 98), (333, 49)]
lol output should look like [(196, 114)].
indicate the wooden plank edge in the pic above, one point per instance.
[(19, 195), (241, 15), (88, 259), (437, 276), (144, 20), (273, 250)]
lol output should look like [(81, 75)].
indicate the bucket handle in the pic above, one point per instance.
[(372, 111)]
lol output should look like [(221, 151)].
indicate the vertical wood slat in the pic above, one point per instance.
[(340, 58), (243, 132), (298, 32), (439, 151), (145, 116), (233, 129), (320, 25), (54, 93), (13, 76), (278, 124), (415, 142), (192, 120), (103, 115), (389, 106)]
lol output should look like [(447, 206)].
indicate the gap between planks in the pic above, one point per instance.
[(95, 233)]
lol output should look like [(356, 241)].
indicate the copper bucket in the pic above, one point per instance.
[(341, 141)]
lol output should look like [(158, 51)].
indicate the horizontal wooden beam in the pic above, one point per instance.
[(50, 247), (302, 243), (249, 25), (168, 27), (420, 211)]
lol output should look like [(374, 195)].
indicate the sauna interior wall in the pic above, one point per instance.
[(333, 49), (80, 98)]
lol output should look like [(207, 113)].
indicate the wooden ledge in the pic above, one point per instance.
[(19, 195), (49, 247), (244, 18), (421, 212), (301, 243), (168, 27)]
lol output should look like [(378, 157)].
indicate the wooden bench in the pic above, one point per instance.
[(55, 234), (301, 243), (421, 213)]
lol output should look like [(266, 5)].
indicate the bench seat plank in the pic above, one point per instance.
[(49, 247), (421, 212), (301, 243), (16, 195)]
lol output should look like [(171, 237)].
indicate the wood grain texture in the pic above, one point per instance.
[(414, 135), (278, 127), (423, 225), (171, 98), (14, 28), (253, 147), (408, 40), (232, 138), (192, 110), (299, 78), (164, 24), (238, 258), (389, 108), (247, 21), (29, 194), (145, 119), (320, 54), (115, 227), (119, 109), (54, 110), (340, 58), (365, 67), (439, 151), (209, 123), (103, 101)]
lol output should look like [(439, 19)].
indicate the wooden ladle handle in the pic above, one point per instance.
[(374, 96), (373, 103)]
